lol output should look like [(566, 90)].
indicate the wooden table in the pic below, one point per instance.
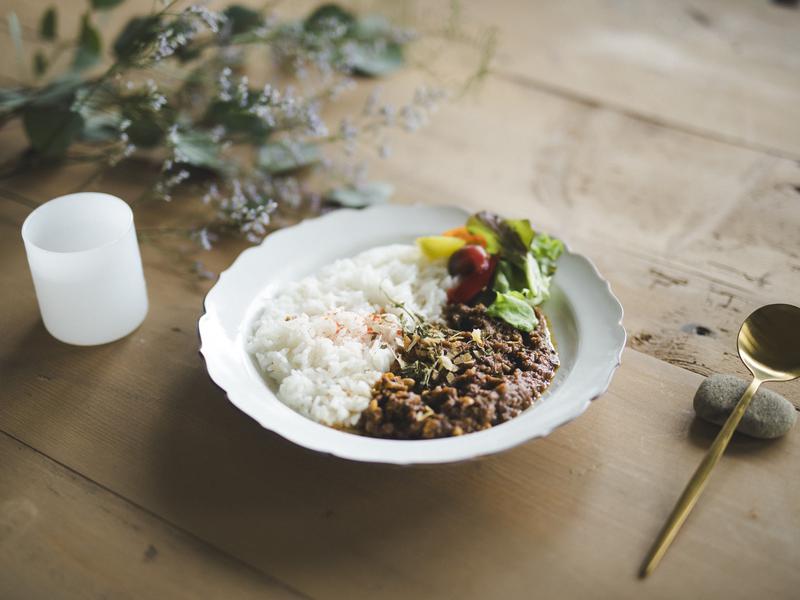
[(662, 139)]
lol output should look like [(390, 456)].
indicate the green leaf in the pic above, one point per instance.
[(546, 250), (526, 279), (537, 284), (60, 91), (144, 131), (105, 4), (513, 308), (187, 53), (279, 157), (240, 19), (136, 37), (476, 224), (199, 149), (48, 25), (501, 283), (375, 59), (51, 129), (100, 126), (523, 229), (372, 27), (39, 63), (88, 52), (366, 194), (508, 277), (237, 119), (528, 260), (510, 238), (12, 98), (371, 51), (322, 18), (248, 37), (15, 30)]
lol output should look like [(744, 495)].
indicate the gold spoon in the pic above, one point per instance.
[(769, 345)]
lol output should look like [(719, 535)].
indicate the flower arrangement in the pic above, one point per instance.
[(176, 89)]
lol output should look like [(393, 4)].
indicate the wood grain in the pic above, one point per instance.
[(713, 67), (673, 168), (152, 427), (690, 231), (63, 537), (587, 497), (723, 68)]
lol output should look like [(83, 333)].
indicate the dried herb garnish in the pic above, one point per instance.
[(433, 353)]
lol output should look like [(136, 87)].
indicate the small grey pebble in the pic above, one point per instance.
[(769, 415)]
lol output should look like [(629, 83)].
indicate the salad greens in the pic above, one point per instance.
[(527, 262), (514, 309)]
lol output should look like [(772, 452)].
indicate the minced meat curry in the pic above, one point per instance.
[(470, 374)]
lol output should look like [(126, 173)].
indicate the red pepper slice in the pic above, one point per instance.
[(473, 283)]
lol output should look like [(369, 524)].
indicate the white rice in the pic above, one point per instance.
[(326, 339)]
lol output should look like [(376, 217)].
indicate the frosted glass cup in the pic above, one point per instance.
[(86, 268)]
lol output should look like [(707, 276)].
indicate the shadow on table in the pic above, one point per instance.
[(260, 497), (702, 434), (45, 383), (182, 451)]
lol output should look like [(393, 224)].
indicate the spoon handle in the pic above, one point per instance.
[(698, 482)]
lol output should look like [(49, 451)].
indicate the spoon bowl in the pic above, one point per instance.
[(769, 342)]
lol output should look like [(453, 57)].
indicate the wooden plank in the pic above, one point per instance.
[(140, 417), (690, 231), (108, 22), (721, 68), (716, 67), (64, 537)]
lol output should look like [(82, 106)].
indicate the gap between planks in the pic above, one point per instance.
[(575, 97), (169, 524), (589, 101)]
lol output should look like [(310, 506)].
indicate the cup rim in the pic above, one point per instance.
[(26, 224)]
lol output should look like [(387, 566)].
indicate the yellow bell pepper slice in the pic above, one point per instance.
[(439, 246)]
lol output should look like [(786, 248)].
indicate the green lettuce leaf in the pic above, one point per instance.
[(546, 251), (523, 229), (514, 309), (537, 284), (486, 225)]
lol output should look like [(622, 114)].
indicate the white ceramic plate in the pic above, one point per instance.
[(584, 315)]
